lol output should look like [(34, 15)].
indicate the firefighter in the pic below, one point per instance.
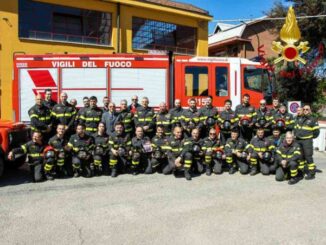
[(34, 150), (297, 120), (276, 138), (65, 114), (48, 102), (110, 118), (190, 118), (81, 110), (92, 116), (176, 157), (120, 146), (81, 144), (106, 102), (263, 118), (176, 114), (59, 143), (144, 117), (134, 106), (306, 129), (261, 154), (213, 153), (287, 158), (100, 152), (159, 157), (246, 116), (40, 116), (276, 106), (208, 116), (141, 151), (227, 121), (163, 118), (126, 117), (236, 153), (282, 116), (193, 151)]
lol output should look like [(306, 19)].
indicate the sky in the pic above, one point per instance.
[(232, 9)]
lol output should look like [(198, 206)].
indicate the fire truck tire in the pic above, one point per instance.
[(2, 165)]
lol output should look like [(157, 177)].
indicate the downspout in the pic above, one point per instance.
[(118, 28)]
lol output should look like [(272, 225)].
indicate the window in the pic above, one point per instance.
[(157, 35), (58, 23), (221, 81), (253, 78), (196, 81)]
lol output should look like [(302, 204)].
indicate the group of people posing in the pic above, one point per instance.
[(67, 141)]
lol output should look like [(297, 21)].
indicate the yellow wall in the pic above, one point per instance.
[(10, 43)]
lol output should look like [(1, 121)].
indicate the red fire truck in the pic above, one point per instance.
[(120, 76)]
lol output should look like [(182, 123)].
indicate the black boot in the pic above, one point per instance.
[(208, 170), (187, 174), (294, 180), (310, 175), (49, 176), (232, 170), (253, 171), (114, 173)]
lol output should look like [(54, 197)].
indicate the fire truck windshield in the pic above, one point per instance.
[(257, 79)]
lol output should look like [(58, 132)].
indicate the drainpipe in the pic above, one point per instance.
[(118, 28)]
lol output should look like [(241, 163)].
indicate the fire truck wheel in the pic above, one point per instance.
[(2, 165)]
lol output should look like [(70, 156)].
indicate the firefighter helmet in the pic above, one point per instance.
[(99, 150), (280, 123), (262, 121), (49, 152), (219, 153), (82, 153), (227, 125), (245, 121), (191, 125), (210, 122), (267, 156), (196, 148)]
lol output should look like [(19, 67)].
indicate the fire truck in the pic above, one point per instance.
[(162, 78)]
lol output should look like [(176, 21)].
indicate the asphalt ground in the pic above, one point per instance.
[(159, 209)]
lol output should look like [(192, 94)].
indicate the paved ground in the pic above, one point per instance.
[(163, 210)]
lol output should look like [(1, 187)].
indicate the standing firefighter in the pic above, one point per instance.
[(91, 116), (227, 121), (288, 156), (191, 118), (236, 153), (34, 150), (163, 119), (64, 114), (306, 129), (144, 117), (208, 116), (264, 118), (126, 117), (246, 116), (283, 120), (176, 114), (81, 145)]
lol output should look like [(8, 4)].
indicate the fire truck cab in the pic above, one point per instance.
[(221, 78)]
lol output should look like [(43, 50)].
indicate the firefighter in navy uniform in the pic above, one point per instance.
[(306, 129), (91, 116), (100, 152), (81, 110), (264, 118), (178, 159), (287, 158), (176, 114), (41, 119), (144, 117), (227, 121), (159, 157), (208, 116), (126, 117), (236, 152), (190, 118), (284, 116), (81, 145), (65, 114), (34, 150), (192, 151), (48, 102), (141, 149), (246, 116), (163, 118), (276, 106), (120, 146), (59, 143), (213, 153), (261, 154), (275, 139)]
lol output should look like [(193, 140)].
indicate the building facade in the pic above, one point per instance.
[(242, 40), (96, 27)]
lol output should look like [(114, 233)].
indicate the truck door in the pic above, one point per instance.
[(220, 84)]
